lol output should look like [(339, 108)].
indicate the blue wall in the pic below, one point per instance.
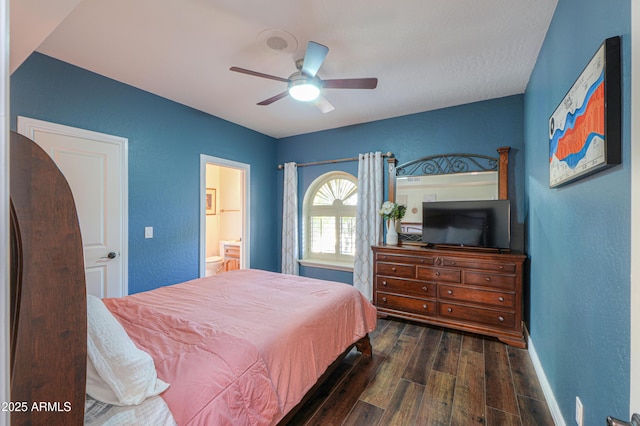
[(165, 143), (579, 235), (478, 128)]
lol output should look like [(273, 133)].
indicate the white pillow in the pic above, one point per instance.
[(117, 371)]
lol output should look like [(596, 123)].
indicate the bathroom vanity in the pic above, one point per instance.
[(231, 253)]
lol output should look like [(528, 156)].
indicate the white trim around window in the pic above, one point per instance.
[(332, 195), (327, 264)]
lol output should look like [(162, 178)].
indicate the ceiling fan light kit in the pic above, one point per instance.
[(304, 85), (303, 88)]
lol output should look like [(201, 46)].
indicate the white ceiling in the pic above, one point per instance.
[(426, 54)]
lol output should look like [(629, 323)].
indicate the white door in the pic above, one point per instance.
[(94, 164)]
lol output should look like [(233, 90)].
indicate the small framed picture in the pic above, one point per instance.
[(210, 201)]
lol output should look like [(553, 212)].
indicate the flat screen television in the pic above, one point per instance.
[(484, 223)]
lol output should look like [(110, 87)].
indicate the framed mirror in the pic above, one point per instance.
[(448, 177)]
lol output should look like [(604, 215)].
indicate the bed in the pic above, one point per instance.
[(243, 347)]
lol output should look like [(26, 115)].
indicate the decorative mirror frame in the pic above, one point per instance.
[(453, 163)]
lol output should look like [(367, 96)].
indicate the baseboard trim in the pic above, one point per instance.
[(546, 387)]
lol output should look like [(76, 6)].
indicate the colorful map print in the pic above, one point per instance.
[(571, 144), (577, 127)]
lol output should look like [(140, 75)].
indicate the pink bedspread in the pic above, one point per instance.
[(243, 347)]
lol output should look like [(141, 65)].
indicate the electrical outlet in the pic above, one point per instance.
[(579, 412), (148, 231)]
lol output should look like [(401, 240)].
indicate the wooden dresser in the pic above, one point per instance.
[(469, 290)]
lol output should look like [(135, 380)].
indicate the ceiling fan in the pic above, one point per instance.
[(305, 85)]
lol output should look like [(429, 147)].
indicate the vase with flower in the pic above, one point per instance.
[(392, 213)]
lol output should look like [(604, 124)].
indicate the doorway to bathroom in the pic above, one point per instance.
[(224, 215)]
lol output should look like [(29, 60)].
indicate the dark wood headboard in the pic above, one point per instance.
[(48, 295)]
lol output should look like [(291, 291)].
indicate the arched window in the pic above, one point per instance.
[(329, 221)]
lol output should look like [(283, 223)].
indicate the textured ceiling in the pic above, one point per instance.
[(426, 54)]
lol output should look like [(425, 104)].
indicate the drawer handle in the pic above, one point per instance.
[(501, 299), (393, 269), (449, 291), (384, 283), (449, 310), (424, 306), (453, 263), (384, 299), (437, 273), (501, 267), (500, 318), (487, 279), (425, 288)]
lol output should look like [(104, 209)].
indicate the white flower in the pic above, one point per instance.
[(387, 208), (391, 210)]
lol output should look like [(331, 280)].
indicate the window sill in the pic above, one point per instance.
[(327, 264)]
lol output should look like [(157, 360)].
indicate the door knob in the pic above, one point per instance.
[(110, 255), (635, 421)]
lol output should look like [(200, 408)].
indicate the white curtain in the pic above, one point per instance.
[(290, 220), (368, 219)]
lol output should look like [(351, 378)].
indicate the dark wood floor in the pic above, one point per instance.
[(429, 376)]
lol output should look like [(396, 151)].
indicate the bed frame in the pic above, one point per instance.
[(48, 294)]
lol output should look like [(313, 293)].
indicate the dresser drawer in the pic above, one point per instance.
[(392, 258), (490, 280), (477, 315), (396, 270), (474, 264), (439, 274), (499, 299), (406, 303), (395, 285)]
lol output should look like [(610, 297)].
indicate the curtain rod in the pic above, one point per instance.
[(339, 160)]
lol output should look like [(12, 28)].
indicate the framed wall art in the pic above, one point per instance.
[(210, 201), (585, 129)]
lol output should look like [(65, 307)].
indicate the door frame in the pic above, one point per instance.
[(245, 260), (29, 126), (634, 297)]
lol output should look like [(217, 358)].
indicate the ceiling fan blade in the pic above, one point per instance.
[(351, 83), (258, 74), (313, 58), (273, 98), (324, 105)]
